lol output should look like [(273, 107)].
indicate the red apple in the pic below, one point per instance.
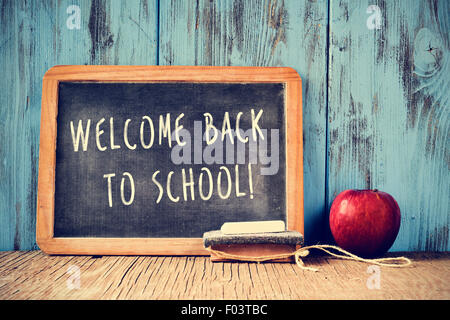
[(365, 222)]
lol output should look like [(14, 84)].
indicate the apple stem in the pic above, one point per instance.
[(375, 190)]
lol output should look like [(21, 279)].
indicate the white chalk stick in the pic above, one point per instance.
[(253, 227)]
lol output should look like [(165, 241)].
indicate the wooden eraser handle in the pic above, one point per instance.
[(253, 227)]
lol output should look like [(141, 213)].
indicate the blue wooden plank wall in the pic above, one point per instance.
[(375, 90)]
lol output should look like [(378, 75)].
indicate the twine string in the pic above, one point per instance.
[(395, 262)]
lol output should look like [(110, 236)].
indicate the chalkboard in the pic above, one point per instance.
[(144, 162)]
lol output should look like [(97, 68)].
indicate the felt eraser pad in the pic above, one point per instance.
[(216, 237)]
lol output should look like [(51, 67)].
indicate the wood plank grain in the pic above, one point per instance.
[(34, 37), (388, 103), (19, 120), (34, 275), (389, 111), (111, 33), (261, 33)]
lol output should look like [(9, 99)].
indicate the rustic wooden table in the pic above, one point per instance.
[(35, 275)]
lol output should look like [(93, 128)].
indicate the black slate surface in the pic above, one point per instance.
[(81, 191)]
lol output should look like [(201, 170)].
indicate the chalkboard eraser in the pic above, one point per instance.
[(252, 244), (253, 227)]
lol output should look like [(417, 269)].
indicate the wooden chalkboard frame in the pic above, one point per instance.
[(158, 246)]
